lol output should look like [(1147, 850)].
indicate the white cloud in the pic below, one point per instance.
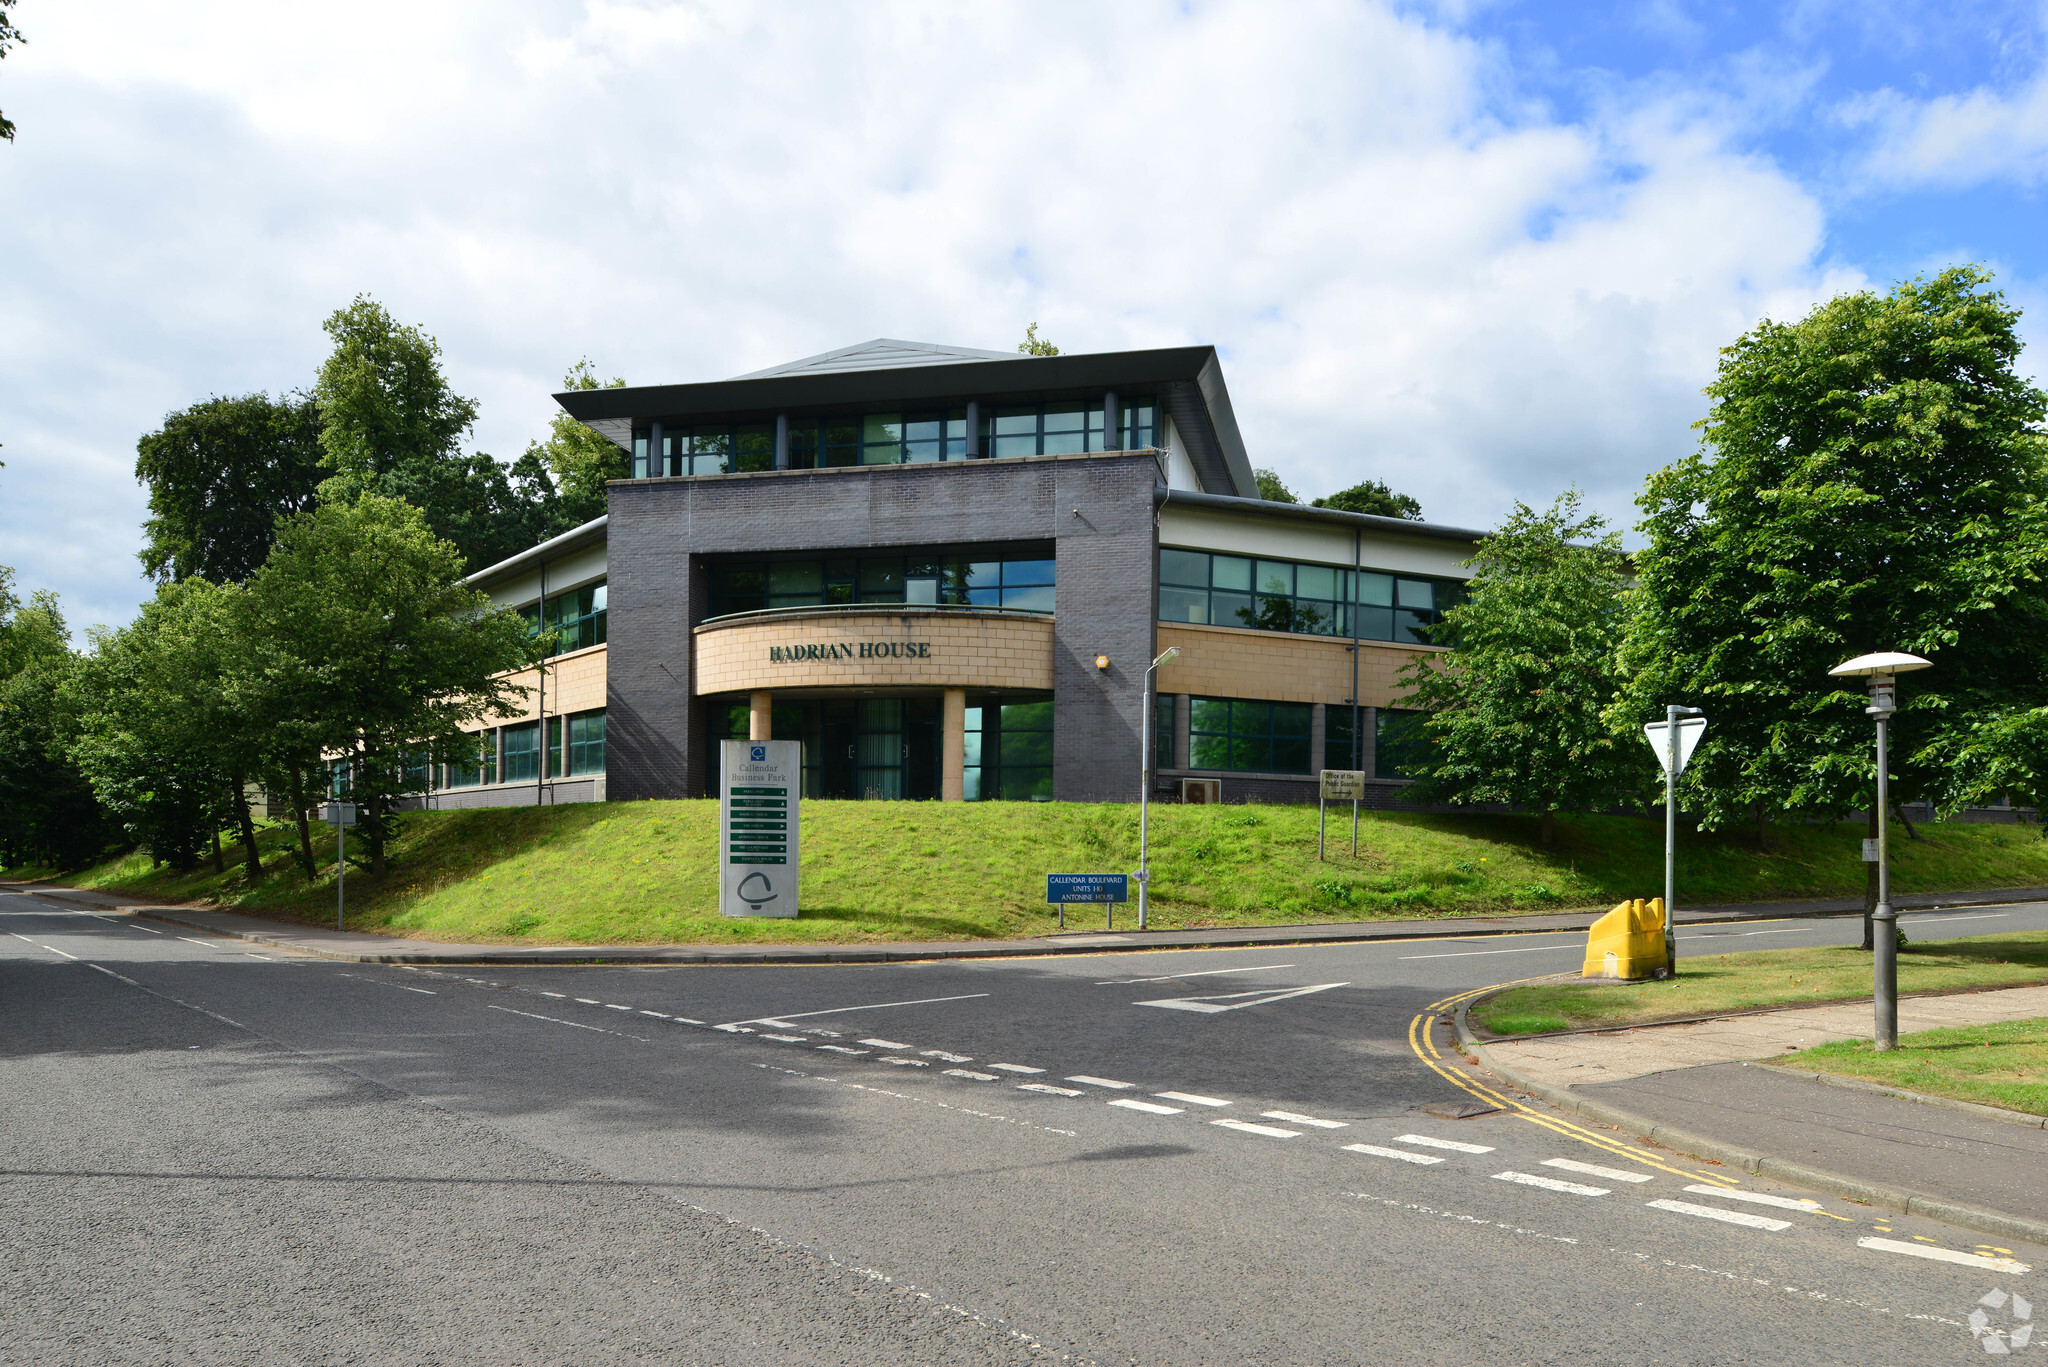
[(1411, 277)]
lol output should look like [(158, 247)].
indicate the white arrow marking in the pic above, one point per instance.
[(1237, 1000)]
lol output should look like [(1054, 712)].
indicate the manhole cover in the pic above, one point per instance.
[(1458, 1110)]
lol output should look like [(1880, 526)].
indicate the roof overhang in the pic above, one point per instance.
[(574, 539), (1371, 522)]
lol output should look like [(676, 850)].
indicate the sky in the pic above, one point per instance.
[(1482, 251)]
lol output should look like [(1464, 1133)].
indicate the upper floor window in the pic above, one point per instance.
[(1288, 595), (1019, 581), (577, 617)]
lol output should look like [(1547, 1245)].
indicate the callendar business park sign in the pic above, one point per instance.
[(757, 827), (860, 650)]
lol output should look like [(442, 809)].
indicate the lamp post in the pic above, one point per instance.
[(1882, 670), (1167, 656)]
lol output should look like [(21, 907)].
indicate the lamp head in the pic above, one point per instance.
[(1167, 656), (1882, 663)]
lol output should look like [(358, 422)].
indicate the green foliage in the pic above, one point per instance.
[(219, 475), (1272, 488), (580, 459), (1373, 497), (10, 37), (375, 645), (2000, 1064), (1515, 706), (1870, 478), (48, 812), (1034, 345), (30, 633)]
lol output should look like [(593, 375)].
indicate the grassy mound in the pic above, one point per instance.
[(645, 872)]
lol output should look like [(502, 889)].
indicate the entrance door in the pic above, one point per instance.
[(836, 751), (921, 730)]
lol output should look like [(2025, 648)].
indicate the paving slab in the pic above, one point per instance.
[(1588, 1060)]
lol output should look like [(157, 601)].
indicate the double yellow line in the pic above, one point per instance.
[(1425, 1049)]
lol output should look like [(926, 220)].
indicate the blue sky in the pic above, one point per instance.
[(1482, 251)]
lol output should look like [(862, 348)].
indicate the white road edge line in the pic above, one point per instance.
[(1377, 1152), (54, 950), (1205, 973), (1760, 1198), (1530, 1179), (1945, 1255), (1458, 1145), (112, 974), (840, 1010), (1730, 1217), (1131, 1103), (555, 1020), (1595, 1170), (1480, 953)]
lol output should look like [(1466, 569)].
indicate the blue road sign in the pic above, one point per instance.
[(1087, 887)]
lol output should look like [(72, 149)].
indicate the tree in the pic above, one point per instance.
[(220, 474), (30, 633), (580, 459), (1371, 497), (1871, 477), (48, 813), (10, 37), (380, 647), (1034, 345), (1515, 706), (1272, 489)]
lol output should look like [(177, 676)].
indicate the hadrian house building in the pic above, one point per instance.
[(945, 571)]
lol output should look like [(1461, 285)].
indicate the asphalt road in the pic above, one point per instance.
[(214, 1153)]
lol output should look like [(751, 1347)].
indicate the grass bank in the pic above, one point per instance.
[(645, 872), (1760, 978), (1993, 1065)]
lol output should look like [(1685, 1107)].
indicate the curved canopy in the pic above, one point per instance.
[(1883, 662)]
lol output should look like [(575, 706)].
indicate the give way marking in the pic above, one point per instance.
[(1236, 1001)]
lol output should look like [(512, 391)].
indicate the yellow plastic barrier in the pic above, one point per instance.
[(1628, 942)]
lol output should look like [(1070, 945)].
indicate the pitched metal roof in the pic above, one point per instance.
[(883, 353)]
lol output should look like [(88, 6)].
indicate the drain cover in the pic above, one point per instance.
[(1458, 1110)]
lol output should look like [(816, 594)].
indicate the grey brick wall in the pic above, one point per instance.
[(1097, 510)]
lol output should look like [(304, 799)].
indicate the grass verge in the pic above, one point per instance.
[(1761, 978), (1994, 1065), (645, 872)]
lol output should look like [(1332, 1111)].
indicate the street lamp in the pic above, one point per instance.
[(1167, 656), (1882, 670)]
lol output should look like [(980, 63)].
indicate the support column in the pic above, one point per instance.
[(953, 748), (782, 441), (1112, 425), (1183, 749), (761, 716), (973, 430), (657, 459)]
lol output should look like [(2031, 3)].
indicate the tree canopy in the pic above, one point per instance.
[(10, 37), (581, 460), (1272, 488), (220, 474), (1871, 477), (1034, 345), (1371, 496), (1515, 707)]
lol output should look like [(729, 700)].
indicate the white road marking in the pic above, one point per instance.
[(787, 1039), (685, 1020), (1595, 1170), (1307, 1120), (904, 1062), (875, 1006), (1047, 1088), (734, 1029), (1530, 1179), (1457, 1144), (658, 1015), (1206, 973), (1943, 920), (112, 974), (590, 1001), (1101, 1081), (1481, 953), (1191, 1098), (54, 950), (1258, 997), (553, 1020), (944, 1057), (261, 958), (970, 1073), (1130, 1103), (885, 1044), (1756, 1198), (1271, 1131), (190, 941), (421, 990), (1730, 1217), (1377, 1152), (1015, 1068), (563, 995), (1946, 1255), (842, 1049), (609, 1006)]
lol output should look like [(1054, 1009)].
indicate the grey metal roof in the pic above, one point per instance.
[(1372, 522), (1187, 380), (883, 353), (593, 530)]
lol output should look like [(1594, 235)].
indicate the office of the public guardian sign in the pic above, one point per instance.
[(757, 827), (859, 650)]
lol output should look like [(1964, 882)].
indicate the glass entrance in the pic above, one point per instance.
[(876, 749)]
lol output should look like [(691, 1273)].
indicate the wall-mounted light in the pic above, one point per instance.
[(1102, 663)]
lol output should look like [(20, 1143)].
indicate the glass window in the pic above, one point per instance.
[(1248, 736), (1230, 572), (754, 447), (1065, 431), (1024, 585), (1188, 568), (577, 618), (522, 752), (1306, 599), (1138, 422), (924, 437), (586, 743), (881, 439), (1401, 744), (1339, 751), (1008, 751), (640, 455), (800, 581), (474, 761), (1162, 731)]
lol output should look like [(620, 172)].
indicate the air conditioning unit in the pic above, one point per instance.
[(1204, 790)]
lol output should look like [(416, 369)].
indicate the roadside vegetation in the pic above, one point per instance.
[(1993, 1065), (1763, 978), (645, 872)]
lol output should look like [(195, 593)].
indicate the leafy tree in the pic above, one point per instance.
[(1371, 497), (30, 633), (1034, 345), (10, 37), (378, 646), (1871, 477), (48, 813), (1515, 706), (220, 474), (580, 459), (1272, 489)]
